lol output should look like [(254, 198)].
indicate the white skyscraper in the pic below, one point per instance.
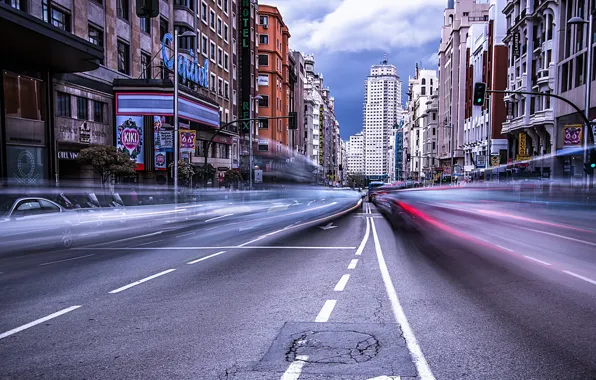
[(382, 107)]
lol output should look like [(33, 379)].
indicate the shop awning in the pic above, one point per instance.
[(30, 43)]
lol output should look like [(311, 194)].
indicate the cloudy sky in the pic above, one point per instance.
[(347, 36)]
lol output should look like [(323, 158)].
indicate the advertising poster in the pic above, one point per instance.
[(158, 122), (572, 135), (160, 160), (188, 141), (129, 138)]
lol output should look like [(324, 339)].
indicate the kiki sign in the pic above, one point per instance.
[(188, 69)]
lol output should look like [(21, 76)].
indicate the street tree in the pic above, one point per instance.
[(107, 161), (185, 171)]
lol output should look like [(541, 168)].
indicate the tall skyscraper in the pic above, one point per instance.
[(382, 105)]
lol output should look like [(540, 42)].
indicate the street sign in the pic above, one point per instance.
[(258, 176), (480, 161)]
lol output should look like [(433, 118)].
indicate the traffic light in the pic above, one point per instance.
[(591, 164), (479, 94), (147, 8), (293, 120)]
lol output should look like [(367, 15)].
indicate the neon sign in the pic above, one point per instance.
[(188, 69)]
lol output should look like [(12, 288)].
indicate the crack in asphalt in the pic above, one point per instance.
[(229, 372), (320, 352)]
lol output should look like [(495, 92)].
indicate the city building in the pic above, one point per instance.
[(570, 67), (421, 127), (274, 89), (297, 83), (343, 162), (534, 29), (125, 89), (399, 152), (458, 17), (485, 147), (355, 151), (382, 105), (391, 157)]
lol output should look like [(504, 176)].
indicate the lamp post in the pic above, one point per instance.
[(250, 156), (580, 21), (176, 126)]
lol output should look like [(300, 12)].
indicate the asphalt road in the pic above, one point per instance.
[(287, 295)]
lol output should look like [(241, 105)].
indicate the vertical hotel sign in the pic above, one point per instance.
[(245, 65), (321, 134)]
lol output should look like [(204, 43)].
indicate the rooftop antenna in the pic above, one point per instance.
[(385, 58)]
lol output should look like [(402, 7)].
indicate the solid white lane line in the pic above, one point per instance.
[(295, 369), (38, 321), (206, 258), (326, 311), (424, 371), (141, 281), (505, 248), (580, 277), (341, 284), (213, 247), (218, 217), (365, 239), (186, 234), (61, 261), (535, 259), (127, 239), (353, 264), (561, 236)]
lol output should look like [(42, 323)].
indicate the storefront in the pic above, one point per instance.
[(33, 52), (144, 112)]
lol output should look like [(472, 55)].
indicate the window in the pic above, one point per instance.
[(98, 111), (263, 39), (212, 51), (225, 6), (219, 27), (264, 20), (263, 123), (145, 66), (145, 25), (423, 91), (48, 207), (185, 3), (204, 45), (82, 108), (123, 58), (63, 105), (55, 16), (263, 60), (264, 102), (17, 4), (184, 43), (204, 12), (212, 82), (226, 32), (226, 62), (226, 90), (212, 19), (96, 37), (219, 57), (219, 4), (163, 28), (122, 10), (220, 86)]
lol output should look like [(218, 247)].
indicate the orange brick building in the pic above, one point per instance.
[(273, 87)]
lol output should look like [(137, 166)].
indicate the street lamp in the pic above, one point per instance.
[(176, 126), (580, 21), (250, 158)]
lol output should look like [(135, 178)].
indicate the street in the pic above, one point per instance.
[(339, 294)]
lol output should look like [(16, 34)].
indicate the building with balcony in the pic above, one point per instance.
[(485, 146), (458, 17), (274, 88), (532, 42), (572, 68)]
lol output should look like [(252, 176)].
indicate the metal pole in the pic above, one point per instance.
[(250, 164), (176, 128), (588, 92), (452, 153)]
